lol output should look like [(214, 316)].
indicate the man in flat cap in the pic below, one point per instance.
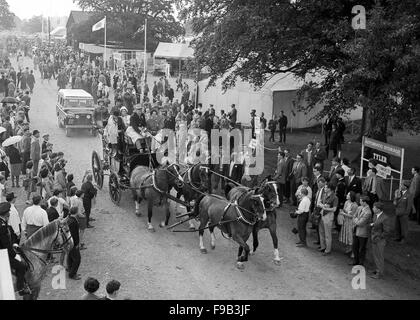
[(379, 234), (46, 145), (403, 204), (8, 240)]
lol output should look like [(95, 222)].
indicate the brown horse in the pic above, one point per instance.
[(35, 249), (269, 191), (154, 187), (233, 218)]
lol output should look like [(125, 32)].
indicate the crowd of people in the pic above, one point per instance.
[(341, 202), (31, 163)]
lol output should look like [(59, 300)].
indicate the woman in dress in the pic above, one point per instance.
[(15, 160), (349, 210), (59, 179)]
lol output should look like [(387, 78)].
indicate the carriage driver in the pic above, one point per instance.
[(8, 241), (137, 129)]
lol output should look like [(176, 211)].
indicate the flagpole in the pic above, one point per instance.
[(105, 46), (145, 52)]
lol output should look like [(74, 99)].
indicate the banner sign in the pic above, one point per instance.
[(382, 146), (383, 172)]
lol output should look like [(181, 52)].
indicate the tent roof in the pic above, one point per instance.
[(174, 51)]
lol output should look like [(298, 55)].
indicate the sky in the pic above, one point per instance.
[(25, 9)]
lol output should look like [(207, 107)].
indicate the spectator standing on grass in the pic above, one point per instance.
[(303, 216), (299, 170), (348, 212), (327, 130), (361, 221), (280, 175), (308, 158), (415, 192), (379, 235), (272, 126), (282, 127), (403, 205), (289, 168), (329, 206), (374, 187), (335, 141)]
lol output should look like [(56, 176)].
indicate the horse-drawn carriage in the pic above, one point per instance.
[(119, 166)]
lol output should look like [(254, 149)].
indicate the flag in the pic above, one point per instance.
[(100, 25)]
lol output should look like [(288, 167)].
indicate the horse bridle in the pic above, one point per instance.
[(177, 177)]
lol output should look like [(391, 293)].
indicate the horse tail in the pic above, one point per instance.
[(197, 206), (229, 186)]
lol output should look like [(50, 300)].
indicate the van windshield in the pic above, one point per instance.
[(78, 103)]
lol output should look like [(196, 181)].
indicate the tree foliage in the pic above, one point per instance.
[(126, 20), (377, 68), (7, 21)]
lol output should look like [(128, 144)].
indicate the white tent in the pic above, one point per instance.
[(278, 94), (177, 51)]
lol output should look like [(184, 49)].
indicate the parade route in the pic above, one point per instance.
[(165, 265)]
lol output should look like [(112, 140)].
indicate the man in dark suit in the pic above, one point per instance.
[(73, 258), (289, 167), (415, 192), (89, 192), (335, 166), (354, 183), (403, 203), (253, 116), (299, 171), (379, 234), (319, 156), (282, 127), (374, 187), (233, 116), (340, 192)]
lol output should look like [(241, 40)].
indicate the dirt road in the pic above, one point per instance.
[(165, 265)]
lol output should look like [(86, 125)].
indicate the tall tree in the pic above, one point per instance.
[(7, 21), (32, 25), (126, 20), (375, 68)]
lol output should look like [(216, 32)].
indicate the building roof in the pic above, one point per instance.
[(77, 17), (180, 51)]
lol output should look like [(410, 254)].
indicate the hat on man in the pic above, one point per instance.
[(407, 183), (10, 196), (4, 208), (35, 132), (123, 109), (253, 111), (46, 135)]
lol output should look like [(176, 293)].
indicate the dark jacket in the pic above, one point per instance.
[(341, 192), (74, 229), (283, 122), (89, 191), (14, 155), (52, 214), (137, 122), (6, 238), (355, 185)]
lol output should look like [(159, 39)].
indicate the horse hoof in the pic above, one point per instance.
[(138, 214), (203, 251), (151, 229), (213, 247), (277, 262), (240, 265)]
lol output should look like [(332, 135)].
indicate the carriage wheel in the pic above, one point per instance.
[(97, 170), (114, 189)]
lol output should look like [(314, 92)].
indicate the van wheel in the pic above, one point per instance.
[(68, 132)]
